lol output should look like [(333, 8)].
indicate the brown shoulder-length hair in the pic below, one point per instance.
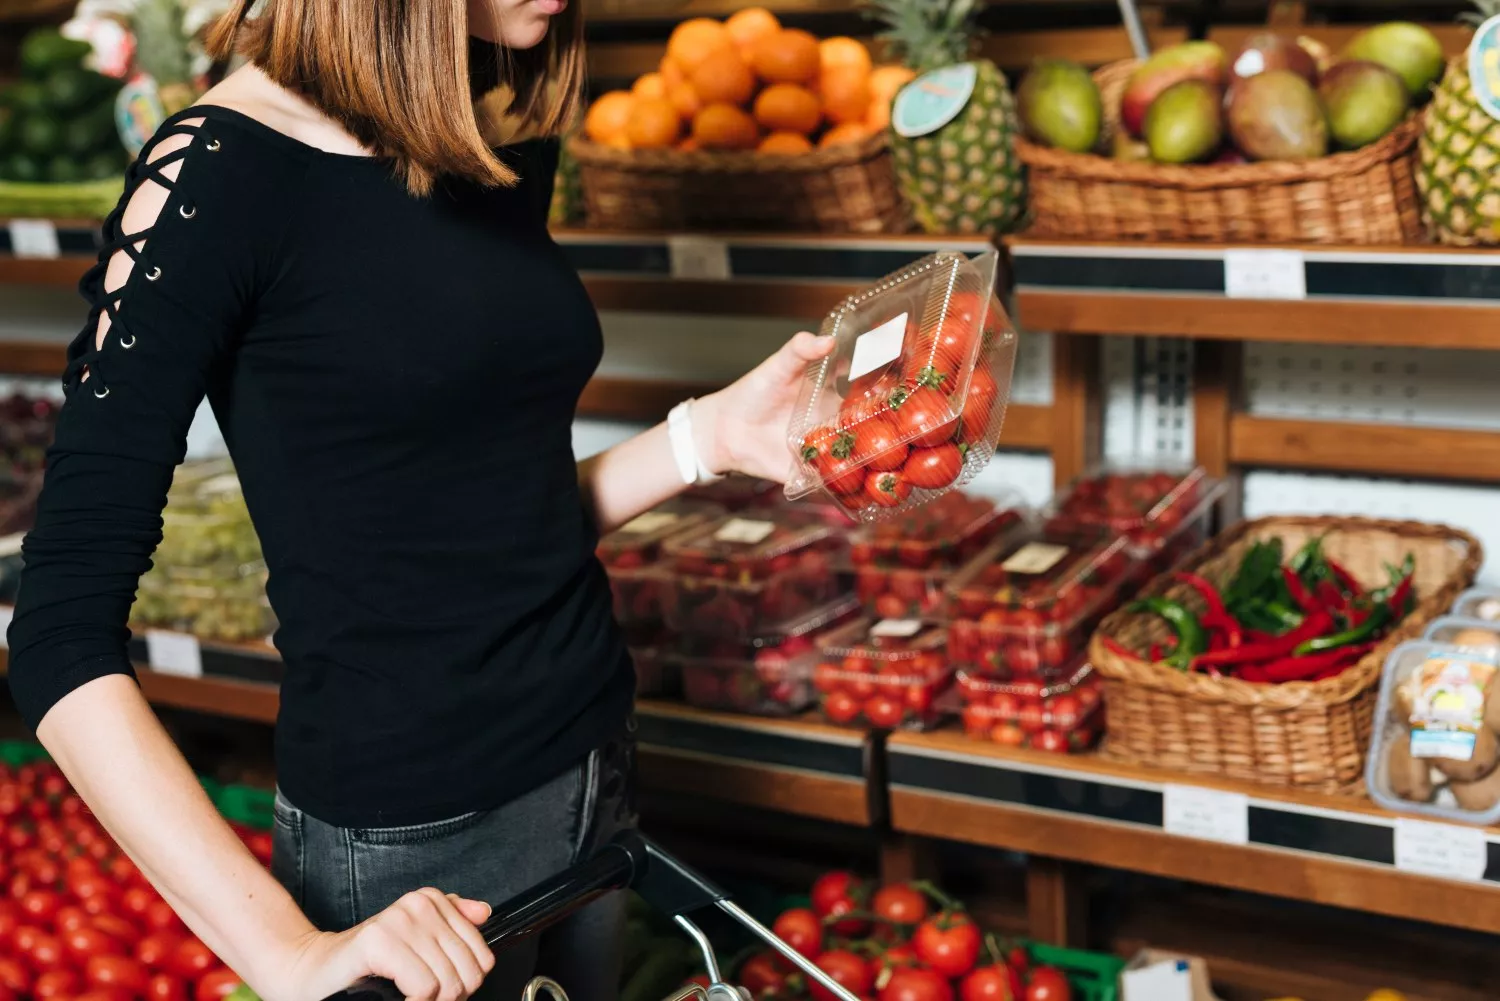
[(403, 77)]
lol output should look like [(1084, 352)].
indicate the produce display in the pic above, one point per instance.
[(1277, 98), (1165, 514), (749, 84), (746, 575), (27, 426), (1307, 620), (902, 565), (736, 492), (768, 675), (1027, 604), (1059, 716), (1451, 630), (1437, 732), (987, 195), (651, 650), (1478, 603), (78, 918), (631, 556), (1459, 148), (57, 123), (909, 403), (886, 673)]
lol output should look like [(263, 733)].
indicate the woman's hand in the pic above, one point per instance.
[(427, 942), (742, 428)]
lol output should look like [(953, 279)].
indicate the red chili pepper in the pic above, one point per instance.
[(1277, 647), (1217, 618), (1400, 599), (1312, 665), (1298, 591), (1330, 597), (1155, 653), (1346, 580), (1252, 673), (1116, 647)]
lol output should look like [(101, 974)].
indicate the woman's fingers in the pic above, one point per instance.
[(429, 945)]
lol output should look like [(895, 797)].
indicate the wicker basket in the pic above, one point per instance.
[(1310, 735), (842, 189), (1366, 196)]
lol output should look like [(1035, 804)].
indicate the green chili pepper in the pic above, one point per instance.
[(1192, 638), (1377, 620)]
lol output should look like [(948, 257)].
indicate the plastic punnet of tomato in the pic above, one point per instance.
[(736, 492), (885, 673), (769, 675), (746, 575), (1164, 512), (1059, 716), (631, 552), (911, 399), (1027, 604)]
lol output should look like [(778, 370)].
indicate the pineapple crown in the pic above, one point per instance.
[(927, 34), (1482, 12)]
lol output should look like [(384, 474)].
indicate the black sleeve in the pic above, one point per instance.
[(194, 266)]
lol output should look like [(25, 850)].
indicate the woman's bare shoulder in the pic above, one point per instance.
[(251, 93)]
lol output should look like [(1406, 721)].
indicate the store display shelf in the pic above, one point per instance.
[(1401, 296), (1326, 849), (794, 766)]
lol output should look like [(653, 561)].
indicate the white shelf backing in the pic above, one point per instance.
[(1148, 414)]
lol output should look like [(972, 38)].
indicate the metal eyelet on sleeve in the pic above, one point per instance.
[(185, 212)]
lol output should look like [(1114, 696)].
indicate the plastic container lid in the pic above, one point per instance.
[(638, 541), (1453, 630), (941, 535), (1438, 708), (893, 644), (800, 632), (1479, 603), (1135, 500), (1031, 581), (912, 397), (747, 546)]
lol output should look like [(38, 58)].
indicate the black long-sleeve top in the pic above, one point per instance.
[(395, 378)]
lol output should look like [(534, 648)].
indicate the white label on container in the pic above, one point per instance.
[(745, 530), (697, 258), (1207, 814), (34, 238), (174, 653), (896, 628), (651, 521), (877, 347), (1446, 850), (7, 613), (1034, 557), (1265, 274)]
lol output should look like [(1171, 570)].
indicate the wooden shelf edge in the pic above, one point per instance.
[(61, 272), (34, 358), (844, 801), (1386, 449)]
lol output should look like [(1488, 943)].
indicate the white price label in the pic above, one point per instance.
[(174, 653), (1034, 557), (1206, 814), (1265, 274), (1446, 850), (877, 347), (7, 612), (697, 258), (651, 521), (896, 628), (744, 530), (34, 238)]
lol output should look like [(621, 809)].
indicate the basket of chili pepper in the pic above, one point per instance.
[(1260, 658)]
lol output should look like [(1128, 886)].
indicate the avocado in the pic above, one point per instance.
[(39, 135), (46, 49), (20, 167), (64, 170)]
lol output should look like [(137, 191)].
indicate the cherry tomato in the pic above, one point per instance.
[(916, 984), (900, 905), (10, 920), (935, 467), (1050, 740), (759, 975), (160, 917), (56, 983), (925, 418), (846, 969), (47, 953), (216, 984), (887, 489), (800, 929), (884, 712), (834, 895), (40, 906), (135, 901), (1048, 984), (117, 927), (85, 941), (1008, 735), (155, 949), (106, 994), (165, 987), (117, 971), (841, 707), (979, 404), (949, 943), (191, 959), (988, 983), (828, 451), (878, 444), (14, 976)]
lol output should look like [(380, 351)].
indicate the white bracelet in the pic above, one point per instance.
[(684, 450)]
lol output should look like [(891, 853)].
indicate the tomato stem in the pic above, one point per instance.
[(944, 901)]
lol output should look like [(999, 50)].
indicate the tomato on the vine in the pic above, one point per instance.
[(935, 467), (900, 905), (895, 958), (1047, 983), (758, 976), (836, 894), (847, 970), (988, 983), (916, 984), (800, 929), (949, 942)]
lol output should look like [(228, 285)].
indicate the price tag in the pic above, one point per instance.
[(34, 238), (896, 628), (7, 613), (1207, 814), (1265, 274), (1034, 557), (744, 530), (1446, 850), (174, 653), (651, 521), (877, 347), (697, 258)]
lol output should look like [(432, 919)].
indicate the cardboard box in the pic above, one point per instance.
[(1154, 975)]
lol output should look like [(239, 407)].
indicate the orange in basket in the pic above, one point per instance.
[(607, 119), (786, 107), (749, 27), (789, 56), (653, 124), (723, 79), (785, 144), (846, 94), (723, 126), (695, 41)]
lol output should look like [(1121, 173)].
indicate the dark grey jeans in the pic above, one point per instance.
[(341, 876)]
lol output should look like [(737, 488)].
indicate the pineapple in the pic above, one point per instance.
[(567, 190), (964, 177), (163, 51), (1459, 170)]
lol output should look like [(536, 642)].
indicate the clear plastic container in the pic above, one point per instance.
[(225, 603), (744, 575), (885, 673), (1451, 630), (1479, 603), (768, 675), (631, 553), (902, 565), (1165, 513), (206, 522), (735, 492), (1028, 603), (1434, 749), (912, 398), (1061, 716)]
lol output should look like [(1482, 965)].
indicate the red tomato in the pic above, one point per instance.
[(887, 489), (759, 975), (988, 983), (847, 970), (47, 953), (878, 444), (85, 941), (916, 984), (1031, 718), (841, 707), (40, 906), (117, 927), (1048, 984), (800, 929), (828, 452), (57, 983), (117, 971), (124, 871), (105, 994), (884, 712), (1008, 735), (895, 958), (933, 468), (949, 943), (900, 905), (165, 987), (9, 921), (925, 418), (135, 901), (1050, 740), (161, 917), (155, 949), (979, 404), (834, 895), (191, 959), (215, 984), (14, 976)]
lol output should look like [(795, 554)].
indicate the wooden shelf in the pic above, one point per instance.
[(1325, 849)]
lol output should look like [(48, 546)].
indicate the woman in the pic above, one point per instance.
[(366, 293)]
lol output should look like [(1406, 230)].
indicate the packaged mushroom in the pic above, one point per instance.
[(1482, 603), (1435, 747), (1453, 630)]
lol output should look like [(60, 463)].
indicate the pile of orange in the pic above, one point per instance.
[(750, 84)]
